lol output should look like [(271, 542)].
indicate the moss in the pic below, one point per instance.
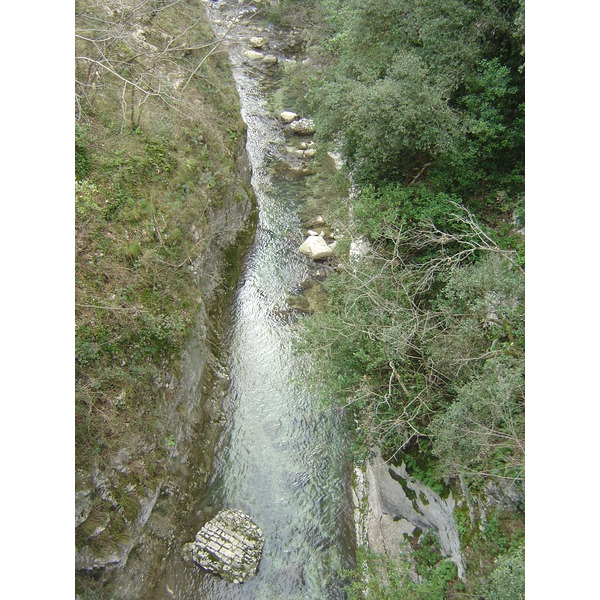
[(126, 497), (97, 519)]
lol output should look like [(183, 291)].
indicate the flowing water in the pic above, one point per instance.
[(283, 459)]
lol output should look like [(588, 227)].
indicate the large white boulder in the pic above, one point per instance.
[(316, 247), (288, 116)]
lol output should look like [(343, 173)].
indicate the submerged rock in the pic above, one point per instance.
[(230, 545), (317, 296), (316, 247), (314, 298), (298, 303), (288, 171)]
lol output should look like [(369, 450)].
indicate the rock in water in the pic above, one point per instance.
[(303, 127), (316, 247), (259, 42), (287, 116), (230, 545), (253, 55)]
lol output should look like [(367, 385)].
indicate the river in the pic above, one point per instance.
[(283, 458)]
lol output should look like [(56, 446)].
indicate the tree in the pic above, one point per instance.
[(427, 91), (413, 326)]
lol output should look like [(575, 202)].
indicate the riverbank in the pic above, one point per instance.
[(412, 346), (165, 212)]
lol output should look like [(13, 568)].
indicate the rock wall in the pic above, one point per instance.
[(190, 397), (390, 504)]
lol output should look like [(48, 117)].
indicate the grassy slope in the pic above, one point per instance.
[(148, 179)]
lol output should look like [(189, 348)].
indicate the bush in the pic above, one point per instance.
[(396, 205), (82, 162), (507, 581), (385, 579)]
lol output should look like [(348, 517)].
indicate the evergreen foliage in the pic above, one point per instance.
[(428, 91), (390, 579), (508, 579), (424, 340), (150, 170)]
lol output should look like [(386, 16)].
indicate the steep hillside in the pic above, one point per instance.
[(164, 211), (424, 341)]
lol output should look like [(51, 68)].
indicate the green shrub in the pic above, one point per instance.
[(82, 162), (396, 205), (507, 581)]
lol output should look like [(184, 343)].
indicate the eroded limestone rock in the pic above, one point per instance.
[(316, 247), (230, 545), (398, 503)]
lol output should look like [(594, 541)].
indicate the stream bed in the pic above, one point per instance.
[(283, 458)]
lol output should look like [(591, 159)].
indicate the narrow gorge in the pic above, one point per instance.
[(299, 352)]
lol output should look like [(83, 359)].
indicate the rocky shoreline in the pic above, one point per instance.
[(190, 404)]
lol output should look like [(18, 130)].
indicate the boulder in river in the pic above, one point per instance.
[(316, 247), (259, 42), (230, 545), (303, 127), (288, 116), (253, 55), (314, 222)]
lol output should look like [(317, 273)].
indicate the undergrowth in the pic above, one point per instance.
[(149, 172)]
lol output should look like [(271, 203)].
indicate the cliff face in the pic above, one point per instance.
[(189, 406), (164, 214)]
